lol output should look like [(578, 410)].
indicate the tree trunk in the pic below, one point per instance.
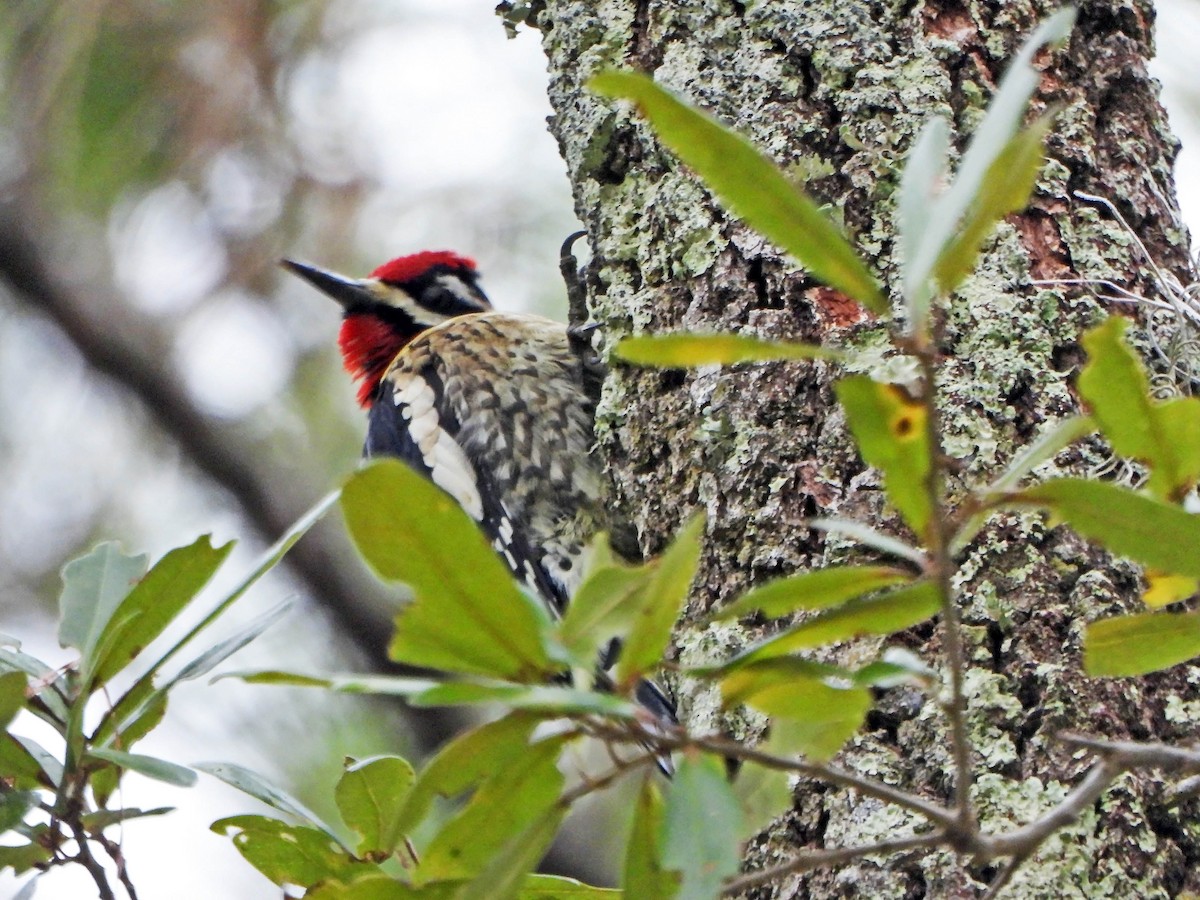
[(836, 92)]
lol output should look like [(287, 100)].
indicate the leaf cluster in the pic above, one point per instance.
[(56, 801)]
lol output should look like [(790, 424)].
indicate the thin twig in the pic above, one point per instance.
[(941, 567), (591, 785), (1025, 840), (85, 858), (822, 859), (633, 732), (1183, 791), (114, 851), (1133, 755), (1006, 874)]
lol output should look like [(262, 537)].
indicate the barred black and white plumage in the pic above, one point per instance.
[(491, 406)]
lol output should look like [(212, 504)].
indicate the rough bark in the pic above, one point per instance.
[(837, 91)]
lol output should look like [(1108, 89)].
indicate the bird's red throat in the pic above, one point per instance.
[(368, 346)]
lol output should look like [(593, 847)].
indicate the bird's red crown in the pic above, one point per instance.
[(403, 269)]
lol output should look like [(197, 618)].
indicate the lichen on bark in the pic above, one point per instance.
[(836, 93)]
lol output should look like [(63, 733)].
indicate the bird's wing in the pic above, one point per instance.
[(413, 418)]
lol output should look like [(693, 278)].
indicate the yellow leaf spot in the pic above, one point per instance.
[(908, 418), (1164, 589)]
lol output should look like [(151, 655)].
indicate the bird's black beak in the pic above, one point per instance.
[(350, 293)]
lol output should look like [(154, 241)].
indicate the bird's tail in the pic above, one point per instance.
[(655, 700)]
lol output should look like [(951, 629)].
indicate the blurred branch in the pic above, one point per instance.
[(133, 351)]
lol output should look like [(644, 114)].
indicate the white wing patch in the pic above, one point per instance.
[(448, 465)]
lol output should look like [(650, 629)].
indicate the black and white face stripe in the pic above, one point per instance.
[(434, 296)]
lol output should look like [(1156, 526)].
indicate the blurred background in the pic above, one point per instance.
[(161, 378)]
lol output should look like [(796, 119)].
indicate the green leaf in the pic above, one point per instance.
[(1135, 645), (809, 714), (12, 695), (644, 877), (1113, 382), (1157, 534), (686, 350), (555, 887), (1046, 446), (157, 600), (897, 666), (887, 613), (763, 795), (700, 827), (258, 787), (104, 783), (290, 854), (508, 802), (750, 185), (925, 173), (1005, 189), (377, 886), (466, 761), (25, 764), (14, 805), (542, 698), (149, 717), (151, 702), (508, 869), (344, 683), (467, 614), (1166, 436), (218, 653), (46, 681), (370, 796), (991, 139), (23, 857), (142, 693), (813, 590), (150, 766), (604, 606), (662, 602), (93, 588), (103, 818), (1176, 471), (891, 431), (869, 537)]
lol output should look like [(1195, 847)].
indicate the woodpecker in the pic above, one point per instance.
[(495, 408)]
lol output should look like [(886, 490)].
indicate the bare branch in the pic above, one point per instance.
[(1024, 840), (823, 859), (113, 849), (730, 749), (85, 858), (1133, 755), (1001, 881)]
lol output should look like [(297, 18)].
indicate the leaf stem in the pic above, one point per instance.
[(940, 564)]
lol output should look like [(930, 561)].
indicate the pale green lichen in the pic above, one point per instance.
[(871, 352), (704, 713), (990, 702), (1181, 711)]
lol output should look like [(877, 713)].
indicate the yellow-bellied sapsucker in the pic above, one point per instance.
[(495, 408)]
